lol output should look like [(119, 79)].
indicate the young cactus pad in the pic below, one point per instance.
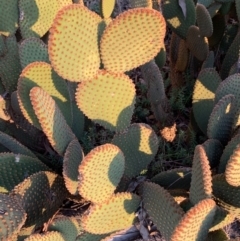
[(73, 48), (100, 172), (132, 39), (117, 213), (107, 99)]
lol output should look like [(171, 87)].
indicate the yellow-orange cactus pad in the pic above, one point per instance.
[(73, 43), (100, 172), (114, 214), (196, 222), (108, 99), (233, 168), (132, 39), (51, 119)]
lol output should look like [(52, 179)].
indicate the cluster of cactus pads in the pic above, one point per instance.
[(62, 66)]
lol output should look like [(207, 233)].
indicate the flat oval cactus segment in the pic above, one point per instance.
[(132, 39), (73, 43), (34, 20), (117, 213), (40, 202), (139, 144), (41, 74), (107, 7), (100, 172), (47, 236), (12, 217), (108, 99)]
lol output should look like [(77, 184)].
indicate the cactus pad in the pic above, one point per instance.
[(41, 74), (196, 222), (32, 50), (73, 48), (233, 168), (117, 213), (201, 184), (14, 168), (51, 119), (48, 236), (107, 8), (100, 172), (8, 17), (108, 99), (12, 217), (132, 39), (159, 203), (34, 20), (71, 160), (141, 3), (40, 201), (139, 144)]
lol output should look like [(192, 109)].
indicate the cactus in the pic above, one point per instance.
[(114, 87), (107, 8), (48, 236), (114, 214), (141, 3), (100, 172), (139, 145)]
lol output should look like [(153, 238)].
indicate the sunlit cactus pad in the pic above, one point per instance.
[(108, 99), (107, 8), (51, 119), (100, 172), (12, 216), (141, 3), (40, 201), (73, 48), (196, 222), (48, 236), (34, 20), (72, 159), (14, 168), (8, 17), (201, 183), (32, 50), (139, 144), (132, 39), (41, 74), (117, 213), (159, 203)]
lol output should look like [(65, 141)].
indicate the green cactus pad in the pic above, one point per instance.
[(230, 86), (14, 146), (51, 119), (197, 44), (159, 203), (107, 8), (209, 62), (73, 49), (12, 217), (68, 227), (219, 235), (214, 150), (85, 236), (204, 21), (8, 17), (34, 20), (201, 183), (227, 196), (222, 118), (48, 236), (133, 38), (14, 168), (71, 160), (203, 96), (178, 178), (227, 152), (233, 168), (41, 74), (141, 3), (175, 18), (15, 104), (10, 67), (32, 50), (40, 201), (213, 9), (206, 3), (231, 57), (117, 213), (139, 144), (196, 222), (108, 99), (100, 172)]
